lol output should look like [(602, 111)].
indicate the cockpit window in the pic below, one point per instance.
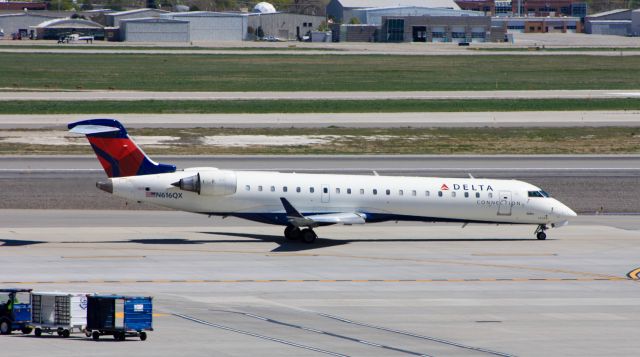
[(538, 194)]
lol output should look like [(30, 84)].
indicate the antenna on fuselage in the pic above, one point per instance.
[(375, 173), (471, 176)]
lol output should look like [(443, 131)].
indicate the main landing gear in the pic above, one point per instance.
[(307, 235), (540, 234)]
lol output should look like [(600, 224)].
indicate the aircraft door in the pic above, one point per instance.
[(504, 209), (325, 193)]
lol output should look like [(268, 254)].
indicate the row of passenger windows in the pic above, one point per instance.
[(348, 191)]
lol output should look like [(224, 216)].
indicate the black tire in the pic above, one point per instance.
[(308, 235), (5, 327), (38, 332), (26, 330), (121, 336), (143, 336), (66, 333), (292, 233), (541, 236), (95, 335)]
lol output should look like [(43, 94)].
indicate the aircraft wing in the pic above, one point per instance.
[(299, 220)]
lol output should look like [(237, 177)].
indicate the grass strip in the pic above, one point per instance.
[(314, 106), (335, 140), (257, 72)]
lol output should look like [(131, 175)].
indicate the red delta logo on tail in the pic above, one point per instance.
[(117, 153)]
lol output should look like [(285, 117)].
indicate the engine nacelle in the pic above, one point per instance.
[(210, 183)]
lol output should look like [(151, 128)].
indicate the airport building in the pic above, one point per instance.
[(341, 11), (622, 22), (538, 24), (113, 18), (454, 29), (22, 23), (533, 8), (152, 29), (285, 26), (57, 28)]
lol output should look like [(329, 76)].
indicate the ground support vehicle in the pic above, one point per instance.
[(15, 310), (119, 316), (58, 312)]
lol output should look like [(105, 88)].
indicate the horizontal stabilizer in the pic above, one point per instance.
[(93, 129)]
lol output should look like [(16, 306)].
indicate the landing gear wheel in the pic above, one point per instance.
[(292, 233), (308, 235), (66, 333), (26, 330), (5, 327), (95, 335), (38, 332), (541, 236), (143, 336)]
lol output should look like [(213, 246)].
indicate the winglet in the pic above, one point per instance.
[(291, 211)]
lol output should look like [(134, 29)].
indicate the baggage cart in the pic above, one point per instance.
[(58, 312), (119, 316), (15, 310)]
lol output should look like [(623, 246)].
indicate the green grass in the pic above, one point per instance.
[(314, 106), (243, 72), (84, 46), (609, 140)]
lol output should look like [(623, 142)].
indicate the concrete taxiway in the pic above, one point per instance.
[(352, 120), (72, 95), (228, 288)]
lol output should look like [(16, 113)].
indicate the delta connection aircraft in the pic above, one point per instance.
[(302, 202)]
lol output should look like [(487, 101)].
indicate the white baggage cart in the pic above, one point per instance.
[(58, 312)]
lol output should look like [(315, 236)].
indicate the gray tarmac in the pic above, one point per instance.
[(588, 184), (231, 288), (321, 120), (91, 95)]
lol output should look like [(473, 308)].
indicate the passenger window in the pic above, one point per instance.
[(362, 191), (439, 193), (348, 191), (414, 193), (337, 190), (388, 192), (466, 194), (477, 194), (325, 190), (426, 193), (260, 188), (247, 188), (453, 193), (375, 191), (311, 189), (400, 192), (273, 188), (298, 189), (284, 189)]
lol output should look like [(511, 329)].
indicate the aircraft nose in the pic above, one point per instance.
[(564, 211)]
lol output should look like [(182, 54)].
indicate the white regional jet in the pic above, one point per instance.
[(302, 202)]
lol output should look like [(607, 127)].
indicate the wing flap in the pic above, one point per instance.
[(337, 218)]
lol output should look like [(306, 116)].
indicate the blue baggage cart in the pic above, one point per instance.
[(119, 316), (15, 311)]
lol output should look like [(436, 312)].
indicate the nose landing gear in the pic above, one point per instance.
[(539, 233)]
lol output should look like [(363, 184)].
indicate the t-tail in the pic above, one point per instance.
[(117, 153)]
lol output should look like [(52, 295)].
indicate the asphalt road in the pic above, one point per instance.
[(588, 184), (357, 120), (379, 290), (12, 95)]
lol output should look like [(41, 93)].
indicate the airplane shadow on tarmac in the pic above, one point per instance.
[(283, 245)]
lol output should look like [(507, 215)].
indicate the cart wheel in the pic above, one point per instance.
[(95, 335), (65, 333), (59, 332), (122, 336), (5, 327), (38, 332), (26, 330), (143, 336)]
